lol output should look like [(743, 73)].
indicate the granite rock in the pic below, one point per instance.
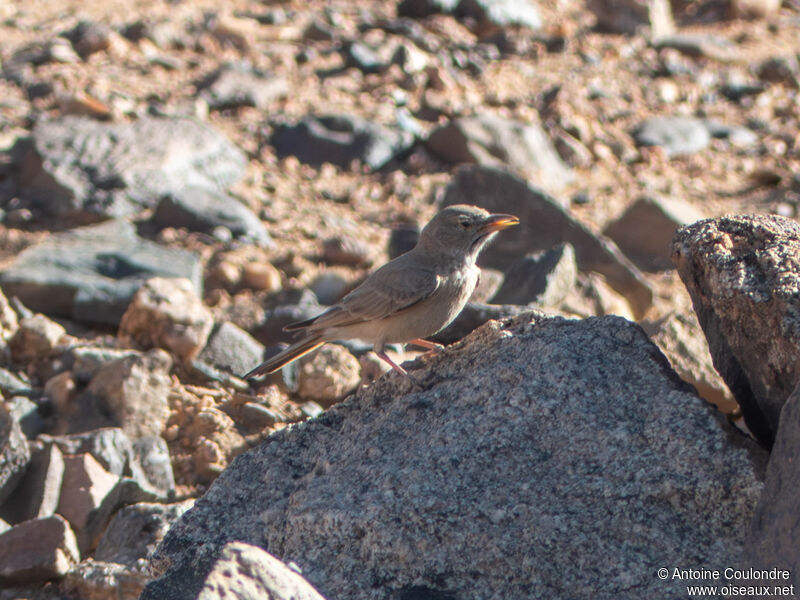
[(743, 274), (567, 452)]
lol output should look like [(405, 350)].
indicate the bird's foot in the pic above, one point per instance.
[(432, 347)]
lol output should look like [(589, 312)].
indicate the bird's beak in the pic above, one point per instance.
[(497, 222)]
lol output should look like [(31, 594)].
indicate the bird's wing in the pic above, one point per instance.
[(386, 292)]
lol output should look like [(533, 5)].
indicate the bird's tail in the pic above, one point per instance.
[(284, 357)]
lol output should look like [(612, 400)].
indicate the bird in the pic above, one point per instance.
[(411, 297)]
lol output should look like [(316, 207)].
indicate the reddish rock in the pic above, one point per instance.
[(37, 550), (134, 392), (85, 486), (167, 313), (36, 338)]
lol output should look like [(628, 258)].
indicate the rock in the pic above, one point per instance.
[(234, 85), (261, 276), (97, 580), (628, 16), (91, 273), (37, 550), (603, 298), (135, 531), (418, 9), (492, 14), (347, 250), (544, 223), (37, 494), (232, 349), (677, 136), (167, 313), (743, 274), (779, 69), (298, 306), (681, 339), (340, 140), (247, 572), (328, 375), (367, 59), (494, 141), (152, 467), (85, 485), (473, 316), (8, 320), (401, 492), (329, 287), (85, 361), (133, 393), (740, 137), (57, 50), (372, 368), (125, 492), (204, 209), (145, 460), (60, 391), (109, 446), (773, 542), (88, 37), (755, 9), (699, 45), (544, 278), (645, 230), (26, 413), (257, 416), (14, 453), (78, 169), (318, 31), (486, 15), (11, 385), (402, 238), (36, 338), (737, 89)]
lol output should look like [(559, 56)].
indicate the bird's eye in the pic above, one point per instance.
[(466, 224)]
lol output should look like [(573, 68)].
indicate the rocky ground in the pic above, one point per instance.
[(178, 181)]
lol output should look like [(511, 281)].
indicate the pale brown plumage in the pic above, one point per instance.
[(409, 298)]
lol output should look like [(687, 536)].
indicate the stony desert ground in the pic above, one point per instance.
[(181, 179)]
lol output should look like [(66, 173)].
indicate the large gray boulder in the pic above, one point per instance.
[(488, 139), (91, 273), (743, 274), (540, 458), (79, 169)]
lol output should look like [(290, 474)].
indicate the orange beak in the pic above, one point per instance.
[(498, 222)]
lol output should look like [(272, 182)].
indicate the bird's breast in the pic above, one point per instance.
[(436, 312)]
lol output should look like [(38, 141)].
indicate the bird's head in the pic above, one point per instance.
[(462, 230)]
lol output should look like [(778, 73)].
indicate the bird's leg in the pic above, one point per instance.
[(383, 356), (432, 346)]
